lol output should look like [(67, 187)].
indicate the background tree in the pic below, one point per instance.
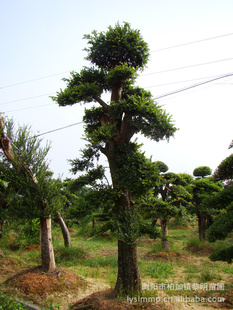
[(117, 55), (202, 188), (171, 198), (223, 201), (37, 195)]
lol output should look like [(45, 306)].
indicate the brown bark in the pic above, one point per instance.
[(164, 233), (128, 279), (201, 226), (48, 262), (64, 229)]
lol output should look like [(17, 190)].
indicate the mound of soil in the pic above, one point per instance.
[(34, 281), (104, 300)]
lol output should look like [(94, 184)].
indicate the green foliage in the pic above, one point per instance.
[(127, 224), (203, 188), (133, 170), (223, 253), (8, 303), (34, 191), (162, 167), (225, 169), (82, 86), (121, 74), (29, 232), (202, 171), (120, 44), (222, 226)]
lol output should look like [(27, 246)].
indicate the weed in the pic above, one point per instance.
[(207, 275)]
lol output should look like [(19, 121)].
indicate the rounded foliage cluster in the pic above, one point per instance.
[(120, 44)]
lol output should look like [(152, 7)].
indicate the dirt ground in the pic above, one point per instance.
[(65, 288)]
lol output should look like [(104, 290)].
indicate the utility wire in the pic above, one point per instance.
[(161, 49), (36, 79), (193, 86), (155, 98), (26, 98), (190, 66), (192, 42), (43, 95), (183, 89), (61, 128), (28, 108)]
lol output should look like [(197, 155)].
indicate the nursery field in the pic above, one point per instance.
[(182, 277)]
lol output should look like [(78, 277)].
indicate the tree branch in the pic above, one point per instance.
[(102, 103)]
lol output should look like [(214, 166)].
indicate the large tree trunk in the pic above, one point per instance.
[(128, 279), (201, 226), (64, 229), (47, 254), (164, 234)]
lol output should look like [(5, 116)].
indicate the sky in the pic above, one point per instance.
[(190, 41)]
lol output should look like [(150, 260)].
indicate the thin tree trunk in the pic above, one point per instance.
[(164, 233), (64, 229), (202, 226), (48, 261), (128, 279)]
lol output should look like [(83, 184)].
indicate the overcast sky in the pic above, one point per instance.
[(42, 41)]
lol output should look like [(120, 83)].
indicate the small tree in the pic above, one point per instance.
[(171, 198), (203, 187), (223, 201), (27, 172), (117, 55)]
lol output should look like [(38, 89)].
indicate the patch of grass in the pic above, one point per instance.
[(70, 255), (101, 261), (189, 268), (195, 244), (157, 269), (227, 269), (207, 275)]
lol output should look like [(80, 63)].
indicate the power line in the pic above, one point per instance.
[(26, 98), (184, 81), (61, 128), (155, 98), (192, 42), (161, 49), (43, 95), (190, 66), (36, 79), (38, 106), (193, 86)]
